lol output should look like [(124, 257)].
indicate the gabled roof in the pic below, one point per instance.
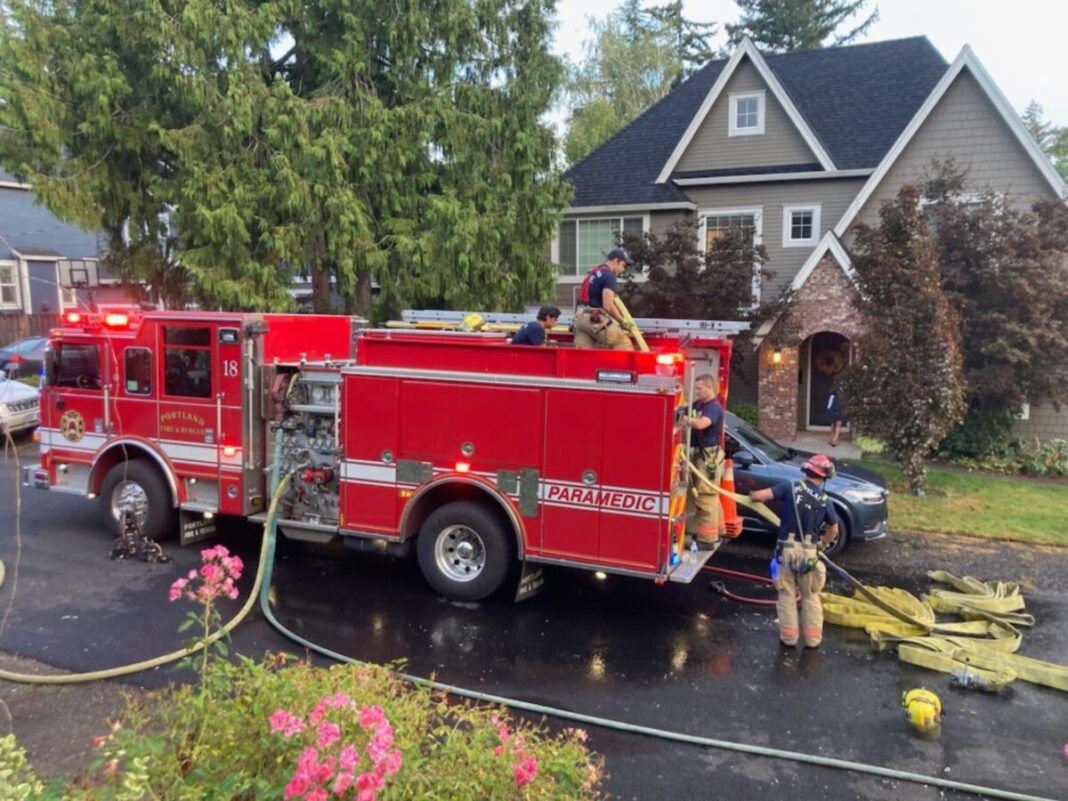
[(854, 101), (966, 60), (829, 245), (745, 51)]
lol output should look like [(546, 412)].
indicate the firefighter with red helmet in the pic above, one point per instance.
[(808, 523)]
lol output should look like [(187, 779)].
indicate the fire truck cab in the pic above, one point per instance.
[(488, 457)]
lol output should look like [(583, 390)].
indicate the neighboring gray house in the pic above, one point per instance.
[(32, 242), (798, 148)]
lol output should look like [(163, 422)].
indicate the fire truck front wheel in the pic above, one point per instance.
[(465, 552), (138, 486)]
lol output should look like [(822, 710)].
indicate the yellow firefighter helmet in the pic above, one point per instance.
[(923, 710), (472, 322)]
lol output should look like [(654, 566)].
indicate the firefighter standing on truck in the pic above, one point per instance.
[(808, 523), (706, 437), (599, 324)]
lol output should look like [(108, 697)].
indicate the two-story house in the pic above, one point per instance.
[(798, 148)]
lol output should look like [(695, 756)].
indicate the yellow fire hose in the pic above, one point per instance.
[(635, 332), (173, 656), (980, 649)]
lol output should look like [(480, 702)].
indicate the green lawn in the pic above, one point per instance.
[(983, 505)]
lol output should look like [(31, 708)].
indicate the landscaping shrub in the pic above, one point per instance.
[(279, 729), (749, 412)]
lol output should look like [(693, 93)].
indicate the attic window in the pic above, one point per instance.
[(747, 114)]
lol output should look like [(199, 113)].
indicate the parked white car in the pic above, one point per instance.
[(20, 407)]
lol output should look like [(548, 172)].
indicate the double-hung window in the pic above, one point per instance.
[(800, 225), (9, 286), (714, 223), (583, 244), (747, 114)]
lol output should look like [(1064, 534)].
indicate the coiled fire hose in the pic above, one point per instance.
[(980, 649), (261, 587)]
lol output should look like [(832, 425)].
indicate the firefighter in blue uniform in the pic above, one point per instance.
[(533, 333), (808, 523), (599, 324), (706, 436)]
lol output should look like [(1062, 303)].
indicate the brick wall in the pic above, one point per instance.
[(824, 303)]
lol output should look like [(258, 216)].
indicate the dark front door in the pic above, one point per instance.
[(828, 355)]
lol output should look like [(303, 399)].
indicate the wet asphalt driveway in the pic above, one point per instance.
[(677, 657)]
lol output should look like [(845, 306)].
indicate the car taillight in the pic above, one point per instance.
[(16, 359)]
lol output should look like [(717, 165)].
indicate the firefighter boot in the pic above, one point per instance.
[(810, 584)]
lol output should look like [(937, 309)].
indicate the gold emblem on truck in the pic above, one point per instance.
[(72, 426)]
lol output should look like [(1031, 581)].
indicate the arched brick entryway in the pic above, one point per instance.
[(825, 304)]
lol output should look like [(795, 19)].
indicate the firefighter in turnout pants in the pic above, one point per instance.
[(599, 324), (808, 523), (706, 436)]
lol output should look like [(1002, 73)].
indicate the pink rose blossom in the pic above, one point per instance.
[(365, 795), (526, 770), (341, 783), (297, 785), (349, 758), (278, 720), (317, 714), (293, 726), (391, 763), (371, 717), (498, 751), (318, 794)]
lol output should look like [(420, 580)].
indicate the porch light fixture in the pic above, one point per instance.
[(776, 356)]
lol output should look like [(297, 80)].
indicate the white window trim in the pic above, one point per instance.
[(16, 276), (787, 225), (732, 126), (758, 235), (554, 249)]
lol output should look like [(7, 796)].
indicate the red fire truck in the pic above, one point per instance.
[(490, 458)]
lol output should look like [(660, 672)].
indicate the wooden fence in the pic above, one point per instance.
[(20, 326)]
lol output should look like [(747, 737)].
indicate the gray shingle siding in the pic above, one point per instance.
[(965, 126)]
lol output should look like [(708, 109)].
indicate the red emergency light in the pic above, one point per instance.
[(73, 317), (463, 467), (116, 320), (669, 358)]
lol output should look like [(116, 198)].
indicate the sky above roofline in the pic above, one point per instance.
[(1022, 49)]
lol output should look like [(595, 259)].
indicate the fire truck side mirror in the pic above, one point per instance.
[(256, 329)]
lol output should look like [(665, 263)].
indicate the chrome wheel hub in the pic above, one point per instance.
[(460, 553)]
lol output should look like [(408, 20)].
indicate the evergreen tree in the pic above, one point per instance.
[(636, 56), (907, 387), (402, 145), (1053, 139), (782, 26)]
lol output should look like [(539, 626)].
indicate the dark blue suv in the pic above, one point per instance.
[(859, 495)]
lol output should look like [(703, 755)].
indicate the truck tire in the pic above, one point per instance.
[(138, 483), (464, 551)]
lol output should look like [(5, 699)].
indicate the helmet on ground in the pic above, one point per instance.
[(819, 466), (923, 710), (472, 322)]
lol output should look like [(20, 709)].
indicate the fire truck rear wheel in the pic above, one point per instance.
[(465, 552), (138, 485)]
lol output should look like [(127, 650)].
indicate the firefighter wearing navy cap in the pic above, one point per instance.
[(808, 523), (599, 323)]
